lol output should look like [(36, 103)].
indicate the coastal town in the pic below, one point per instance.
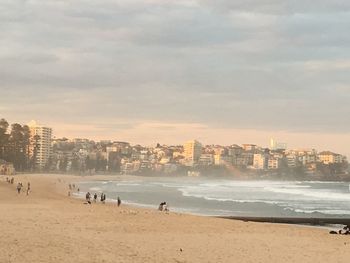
[(39, 151)]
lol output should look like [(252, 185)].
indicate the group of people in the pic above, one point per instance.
[(72, 188), (10, 181), (102, 198), (344, 231), (19, 186)]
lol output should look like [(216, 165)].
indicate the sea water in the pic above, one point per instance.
[(231, 197)]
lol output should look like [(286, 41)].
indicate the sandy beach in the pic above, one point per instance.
[(49, 226)]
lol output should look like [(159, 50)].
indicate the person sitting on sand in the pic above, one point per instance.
[(165, 207), (161, 206)]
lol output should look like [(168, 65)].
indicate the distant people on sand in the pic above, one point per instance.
[(95, 198), (12, 180), (88, 197), (19, 188), (344, 231), (163, 206), (119, 202), (28, 188), (103, 198)]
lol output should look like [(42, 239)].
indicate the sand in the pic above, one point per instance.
[(49, 226)]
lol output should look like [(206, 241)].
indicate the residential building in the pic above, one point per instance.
[(328, 157), (41, 146), (192, 152), (274, 145), (260, 161)]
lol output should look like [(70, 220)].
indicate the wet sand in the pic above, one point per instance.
[(49, 226)]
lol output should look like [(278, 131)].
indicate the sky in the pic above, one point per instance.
[(148, 71)]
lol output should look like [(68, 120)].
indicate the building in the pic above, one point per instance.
[(41, 144), (274, 145), (192, 152), (273, 163), (206, 159), (249, 147), (328, 157), (260, 161)]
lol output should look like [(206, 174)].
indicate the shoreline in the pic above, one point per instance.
[(312, 221)]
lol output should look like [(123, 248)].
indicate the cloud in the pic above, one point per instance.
[(112, 65)]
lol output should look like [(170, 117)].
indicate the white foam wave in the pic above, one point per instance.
[(318, 194)]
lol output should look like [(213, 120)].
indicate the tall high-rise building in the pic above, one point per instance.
[(41, 148), (274, 145), (192, 152)]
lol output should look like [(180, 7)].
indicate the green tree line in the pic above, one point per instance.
[(18, 146)]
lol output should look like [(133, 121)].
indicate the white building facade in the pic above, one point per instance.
[(41, 138)]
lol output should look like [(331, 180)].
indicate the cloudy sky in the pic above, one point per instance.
[(147, 71)]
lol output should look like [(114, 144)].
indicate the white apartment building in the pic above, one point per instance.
[(275, 145), (192, 152), (44, 143), (328, 157), (260, 161)]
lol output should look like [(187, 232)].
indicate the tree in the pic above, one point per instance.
[(3, 138), (36, 145), (17, 153)]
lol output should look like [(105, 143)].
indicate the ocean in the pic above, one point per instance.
[(230, 197)]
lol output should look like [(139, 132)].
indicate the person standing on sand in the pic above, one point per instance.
[(19, 187), (103, 198), (28, 188), (119, 201), (95, 198), (88, 197)]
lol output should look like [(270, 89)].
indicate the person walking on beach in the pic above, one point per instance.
[(95, 198), (19, 187), (119, 201)]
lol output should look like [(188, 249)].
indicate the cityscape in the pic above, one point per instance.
[(45, 153)]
